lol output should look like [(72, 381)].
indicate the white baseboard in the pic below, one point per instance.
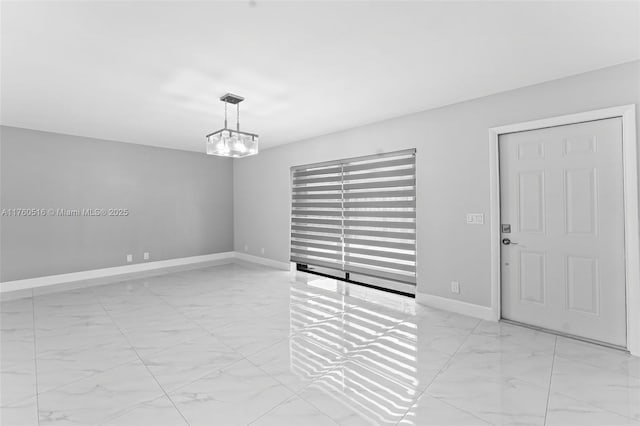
[(61, 282), (118, 272), (457, 306), (285, 266)]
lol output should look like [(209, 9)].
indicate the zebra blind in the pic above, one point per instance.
[(357, 215)]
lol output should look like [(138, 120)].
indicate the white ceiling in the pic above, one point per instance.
[(152, 72)]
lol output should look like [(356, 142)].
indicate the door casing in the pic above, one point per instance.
[(631, 220)]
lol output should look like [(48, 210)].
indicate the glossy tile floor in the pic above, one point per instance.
[(240, 344)]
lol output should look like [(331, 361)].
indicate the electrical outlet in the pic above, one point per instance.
[(246, 248), (129, 258), (262, 250), (455, 287), (146, 255)]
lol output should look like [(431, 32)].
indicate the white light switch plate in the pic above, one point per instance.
[(475, 218), (146, 255), (455, 287), (129, 258)]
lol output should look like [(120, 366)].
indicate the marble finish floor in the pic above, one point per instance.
[(241, 344)]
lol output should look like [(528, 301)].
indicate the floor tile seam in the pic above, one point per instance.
[(190, 320), (513, 351), (146, 331), (130, 346), (397, 321), (256, 352), (321, 376), (173, 346), (53, 326), (301, 331), (220, 340), (322, 346), (50, 333), (301, 396), (405, 340), (342, 357), (515, 378), (553, 361), (295, 395), (379, 372), (474, 415), (197, 324), (301, 334), (178, 388), (129, 409), (608, 370), (199, 294), (301, 391), (463, 410), (316, 324), (84, 291), (208, 331), (150, 373), (141, 294), (444, 367), (404, 320), (294, 391), (455, 408), (597, 407), (333, 316), (58, 387), (35, 357), (359, 349), (19, 401)]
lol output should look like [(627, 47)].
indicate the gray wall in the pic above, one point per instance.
[(452, 173), (180, 203)]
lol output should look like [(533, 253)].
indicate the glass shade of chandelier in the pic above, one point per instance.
[(229, 142)]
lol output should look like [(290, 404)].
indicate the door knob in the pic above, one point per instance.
[(507, 241)]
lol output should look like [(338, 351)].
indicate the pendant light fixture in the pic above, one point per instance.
[(228, 142)]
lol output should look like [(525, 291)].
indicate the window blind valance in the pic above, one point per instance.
[(357, 215)]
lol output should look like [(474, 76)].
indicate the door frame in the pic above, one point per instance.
[(631, 220)]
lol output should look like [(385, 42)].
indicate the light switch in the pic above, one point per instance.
[(475, 219)]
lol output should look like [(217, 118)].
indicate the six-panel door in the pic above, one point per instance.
[(563, 261)]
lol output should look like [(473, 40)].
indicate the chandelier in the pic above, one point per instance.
[(228, 142)]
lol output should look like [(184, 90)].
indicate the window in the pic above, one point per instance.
[(355, 219)]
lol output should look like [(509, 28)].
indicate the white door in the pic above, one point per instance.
[(563, 261)]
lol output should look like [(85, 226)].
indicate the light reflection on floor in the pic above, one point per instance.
[(242, 344), (377, 375)]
